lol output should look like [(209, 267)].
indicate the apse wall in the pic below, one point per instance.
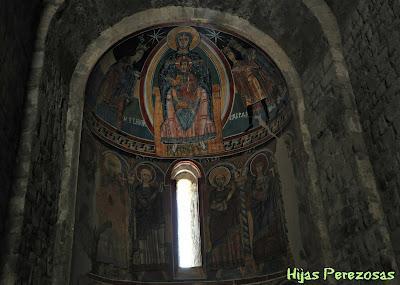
[(154, 100), (106, 246)]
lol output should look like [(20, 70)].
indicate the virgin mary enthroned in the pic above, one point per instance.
[(185, 87)]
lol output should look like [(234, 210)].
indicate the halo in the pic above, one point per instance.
[(259, 158), (139, 168), (112, 163), (171, 37), (220, 170)]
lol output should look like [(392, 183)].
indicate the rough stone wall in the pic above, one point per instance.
[(372, 50), (18, 21), (45, 179), (323, 115), (356, 236), (311, 255)]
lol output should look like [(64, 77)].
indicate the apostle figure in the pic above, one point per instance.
[(264, 198), (268, 231), (251, 81), (185, 87), (147, 222), (112, 211), (224, 225)]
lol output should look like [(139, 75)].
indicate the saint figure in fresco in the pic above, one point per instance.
[(263, 196), (251, 81), (185, 86), (117, 87), (112, 211), (224, 225), (147, 220), (268, 234)]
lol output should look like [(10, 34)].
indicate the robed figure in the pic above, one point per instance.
[(147, 225), (252, 82), (186, 87), (224, 224), (269, 240), (117, 87)]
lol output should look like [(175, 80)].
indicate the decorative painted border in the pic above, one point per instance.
[(232, 145)]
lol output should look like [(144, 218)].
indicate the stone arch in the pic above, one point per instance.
[(92, 54), (364, 171), (65, 220)]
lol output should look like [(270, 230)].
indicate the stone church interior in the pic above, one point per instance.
[(199, 142)]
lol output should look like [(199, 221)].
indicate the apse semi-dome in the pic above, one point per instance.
[(181, 90)]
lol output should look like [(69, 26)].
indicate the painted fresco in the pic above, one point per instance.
[(147, 221), (122, 216), (177, 91), (125, 223), (245, 224), (224, 227), (174, 92), (112, 206), (268, 232)]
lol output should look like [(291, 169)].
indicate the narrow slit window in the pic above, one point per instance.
[(189, 242)]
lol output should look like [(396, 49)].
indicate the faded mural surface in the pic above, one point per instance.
[(245, 221), (181, 92)]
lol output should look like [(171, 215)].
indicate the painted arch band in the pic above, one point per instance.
[(108, 38)]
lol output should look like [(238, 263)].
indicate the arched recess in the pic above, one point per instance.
[(327, 22), (80, 76), (192, 171)]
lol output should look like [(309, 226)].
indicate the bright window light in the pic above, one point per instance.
[(189, 248)]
